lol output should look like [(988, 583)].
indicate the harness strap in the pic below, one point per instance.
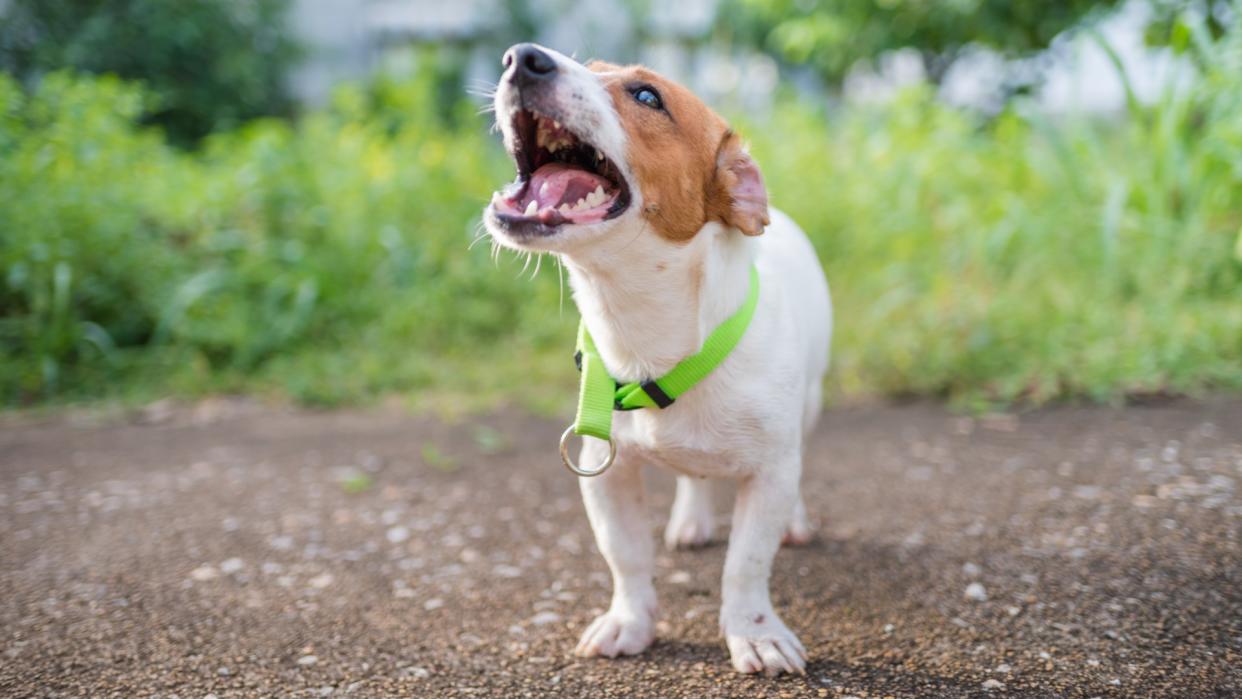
[(599, 394)]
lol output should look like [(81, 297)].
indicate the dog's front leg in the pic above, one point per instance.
[(757, 638), (614, 504)]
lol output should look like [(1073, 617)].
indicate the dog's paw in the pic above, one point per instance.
[(762, 643), (798, 533), (689, 529), (616, 633), (799, 530)]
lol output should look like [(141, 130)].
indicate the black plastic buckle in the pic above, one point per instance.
[(657, 394), (651, 388)]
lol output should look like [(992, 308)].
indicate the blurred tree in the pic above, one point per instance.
[(212, 63), (830, 36)]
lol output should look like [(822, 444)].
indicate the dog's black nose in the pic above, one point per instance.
[(529, 64)]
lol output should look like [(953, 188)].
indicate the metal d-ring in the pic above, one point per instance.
[(569, 463)]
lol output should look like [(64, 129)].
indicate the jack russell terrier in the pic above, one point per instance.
[(661, 218)]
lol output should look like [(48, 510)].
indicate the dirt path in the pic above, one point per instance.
[(240, 551)]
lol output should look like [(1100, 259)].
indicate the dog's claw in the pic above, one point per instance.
[(768, 647), (614, 634), (689, 533), (797, 535)]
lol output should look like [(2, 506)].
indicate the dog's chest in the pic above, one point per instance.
[(689, 443)]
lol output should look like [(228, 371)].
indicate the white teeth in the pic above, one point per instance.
[(543, 190), (598, 155), (556, 124), (531, 208), (581, 205), (553, 146), (564, 209), (593, 199)]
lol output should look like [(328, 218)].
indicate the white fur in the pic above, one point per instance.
[(649, 303)]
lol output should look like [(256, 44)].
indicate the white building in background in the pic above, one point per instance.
[(350, 39)]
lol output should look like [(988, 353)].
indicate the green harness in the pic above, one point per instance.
[(599, 394)]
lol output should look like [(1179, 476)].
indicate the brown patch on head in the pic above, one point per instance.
[(689, 166)]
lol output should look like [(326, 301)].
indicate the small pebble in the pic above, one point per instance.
[(1088, 492), (545, 618), (507, 571), (320, 581), (231, 566), (397, 534), (308, 660), (993, 684), (433, 603), (976, 593), (204, 573)]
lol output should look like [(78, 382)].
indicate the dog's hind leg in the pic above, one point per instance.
[(799, 530), (614, 504), (692, 521)]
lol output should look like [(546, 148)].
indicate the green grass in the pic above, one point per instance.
[(330, 260)]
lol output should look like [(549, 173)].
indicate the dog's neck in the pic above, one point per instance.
[(650, 303)]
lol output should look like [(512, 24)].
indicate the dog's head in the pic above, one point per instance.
[(602, 147)]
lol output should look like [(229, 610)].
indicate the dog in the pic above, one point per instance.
[(658, 214)]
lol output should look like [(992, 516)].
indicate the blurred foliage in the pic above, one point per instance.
[(1029, 259), (330, 259), (210, 64), (1173, 21), (830, 36), (327, 257)]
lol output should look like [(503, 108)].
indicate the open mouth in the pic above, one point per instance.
[(561, 179)]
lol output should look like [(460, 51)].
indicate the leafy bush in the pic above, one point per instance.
[(1027, 258), (211, 63), (330, 259)]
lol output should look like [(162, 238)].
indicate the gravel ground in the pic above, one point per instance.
[(228, 549)]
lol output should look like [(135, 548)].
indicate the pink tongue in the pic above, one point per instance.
[(557, 183)]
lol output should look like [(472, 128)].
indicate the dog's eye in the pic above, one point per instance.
[(647, 96)]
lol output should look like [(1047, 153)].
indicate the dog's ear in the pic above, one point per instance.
[(741, 198)]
